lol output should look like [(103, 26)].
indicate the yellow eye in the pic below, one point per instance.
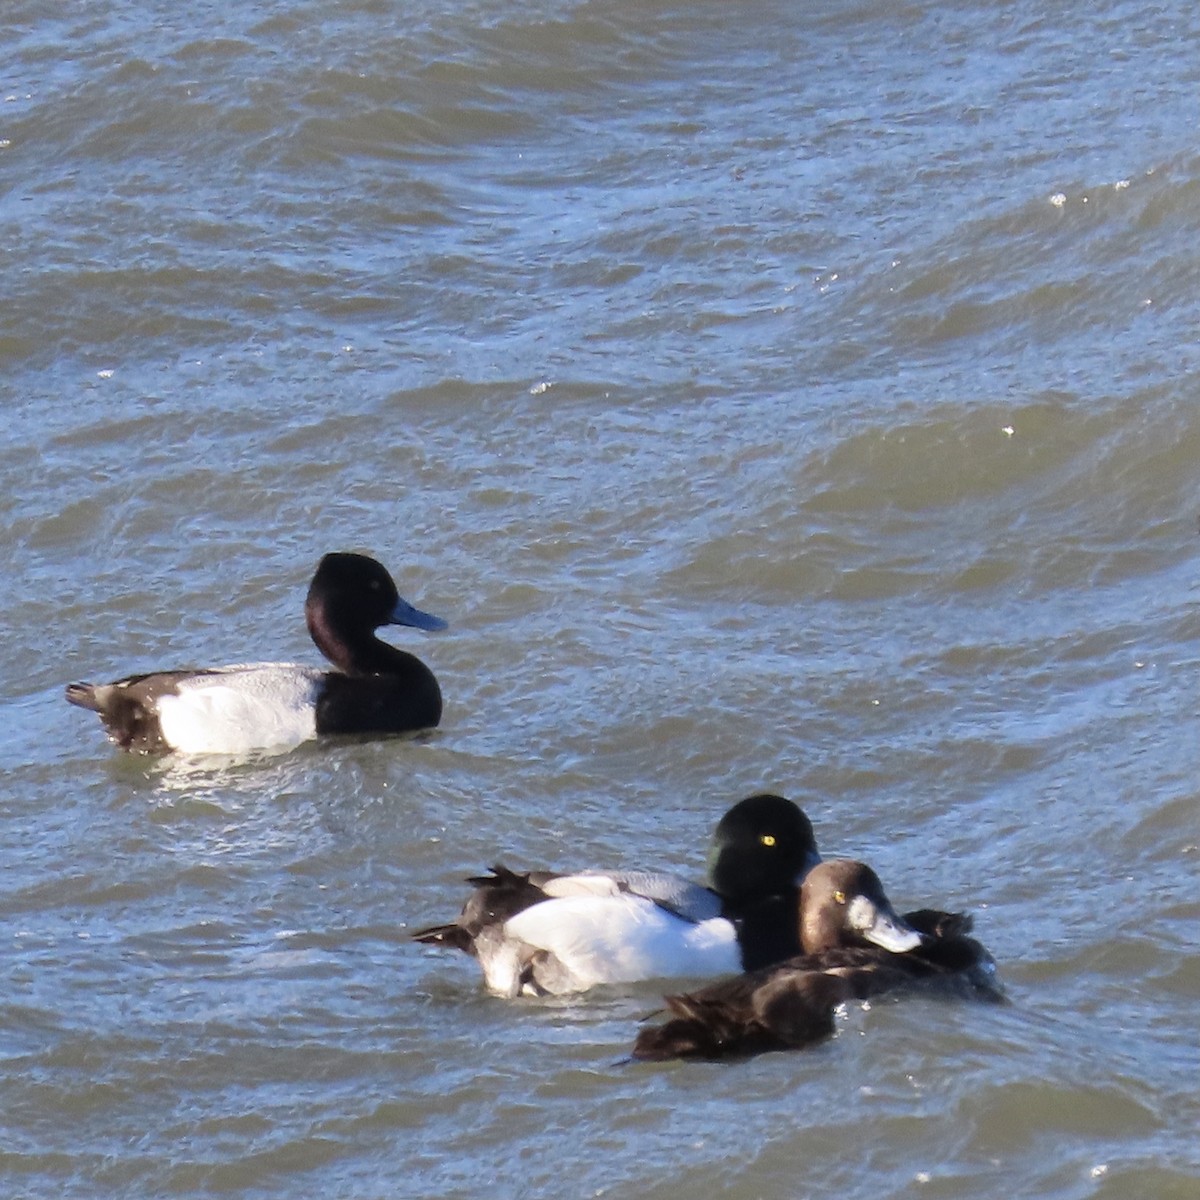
[(840, 897), (767, 839)]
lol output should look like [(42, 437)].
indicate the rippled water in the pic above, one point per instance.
[(772, 396)]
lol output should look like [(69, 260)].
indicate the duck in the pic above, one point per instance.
[(540, 933), (374, 688), (856, 947)]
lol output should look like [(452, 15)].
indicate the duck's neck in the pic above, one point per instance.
[(357, 653), (767, 930), (821, 930)]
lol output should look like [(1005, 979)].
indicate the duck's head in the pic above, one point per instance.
[(843, 903), (763, 846), (354, 591)]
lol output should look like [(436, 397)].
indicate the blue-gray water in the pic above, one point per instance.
[(778, 395)]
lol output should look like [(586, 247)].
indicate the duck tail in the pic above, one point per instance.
[(500, 876), (452, 935), (83, 695), (789, 1012), (698, 1028), (680, 1037)]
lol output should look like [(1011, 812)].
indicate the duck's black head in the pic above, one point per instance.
[(842, 903), (762, 846), (350, 597)]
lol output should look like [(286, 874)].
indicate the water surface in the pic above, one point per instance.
[(790, 396)]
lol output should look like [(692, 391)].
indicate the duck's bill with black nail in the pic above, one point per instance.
[(408, 614)]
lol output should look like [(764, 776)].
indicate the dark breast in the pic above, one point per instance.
[(379, 703)]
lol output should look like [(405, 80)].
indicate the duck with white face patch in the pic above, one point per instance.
[(856, 947)]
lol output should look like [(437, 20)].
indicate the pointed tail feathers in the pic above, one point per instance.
[(83, 695)]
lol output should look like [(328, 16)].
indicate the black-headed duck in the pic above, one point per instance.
[(375, 688), (540, 933)]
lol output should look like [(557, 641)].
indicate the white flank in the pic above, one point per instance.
[(255, 706), (623, 939)]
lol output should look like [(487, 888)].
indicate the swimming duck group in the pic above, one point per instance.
[(786, 936)]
